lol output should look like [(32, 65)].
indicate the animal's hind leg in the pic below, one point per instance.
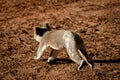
[(73, 53), (83, 53), (53, 55)]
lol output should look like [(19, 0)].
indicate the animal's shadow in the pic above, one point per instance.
[(60, 61), (107, 61), (69, 61)]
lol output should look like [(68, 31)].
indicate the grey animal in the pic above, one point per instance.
[(58, 40)]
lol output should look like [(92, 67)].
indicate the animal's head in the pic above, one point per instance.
[(40, 31)]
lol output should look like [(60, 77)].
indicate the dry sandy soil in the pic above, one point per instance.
[(96, 21)]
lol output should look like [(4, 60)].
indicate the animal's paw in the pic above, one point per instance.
[(36, 58), (79, 68), (81, 65), (50, 60)]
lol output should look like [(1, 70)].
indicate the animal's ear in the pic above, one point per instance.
[(47, 26)]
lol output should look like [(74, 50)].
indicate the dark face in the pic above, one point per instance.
[(41, 31)]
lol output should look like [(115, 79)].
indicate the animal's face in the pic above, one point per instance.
[(40, 31)]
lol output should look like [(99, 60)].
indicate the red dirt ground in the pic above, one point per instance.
[(96, 21)]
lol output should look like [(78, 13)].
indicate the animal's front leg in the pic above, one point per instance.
[(40, 51), (53, 55)]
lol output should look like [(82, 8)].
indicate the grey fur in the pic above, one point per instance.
[(59, 39)]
